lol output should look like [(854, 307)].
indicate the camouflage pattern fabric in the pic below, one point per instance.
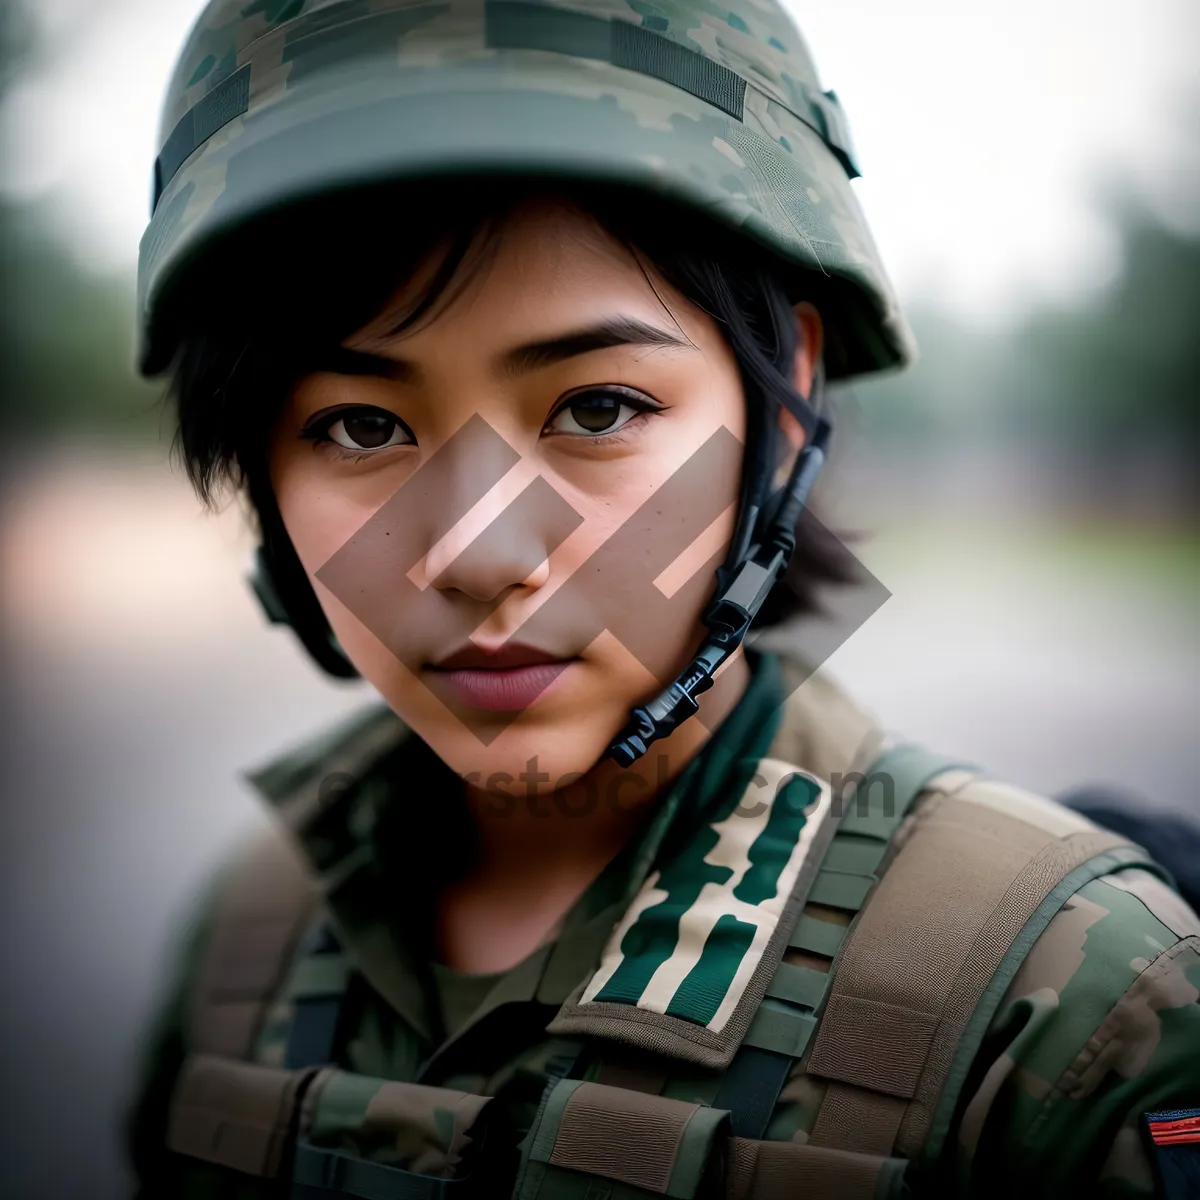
[(713, 107), (426, 1130), (1100, 1024), (1102, 1019)]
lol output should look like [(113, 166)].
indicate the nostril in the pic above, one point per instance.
[(512, 549)]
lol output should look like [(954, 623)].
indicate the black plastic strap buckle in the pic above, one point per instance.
[(730, 614)]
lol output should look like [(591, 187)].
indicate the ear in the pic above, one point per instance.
[(810, 337)]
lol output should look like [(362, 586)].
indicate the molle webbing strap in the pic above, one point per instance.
[(870, 808), (588, 1131), (236, 1115), (751, 1087), (635, 1073), (793, 1171), (260, 918), (316, 992), (319, 1125), (917, 964)]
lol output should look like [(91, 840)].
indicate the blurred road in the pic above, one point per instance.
[(141, 680)]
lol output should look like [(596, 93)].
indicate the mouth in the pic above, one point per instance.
[(507, 679)]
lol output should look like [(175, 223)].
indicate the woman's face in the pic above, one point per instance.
[(511, 513)]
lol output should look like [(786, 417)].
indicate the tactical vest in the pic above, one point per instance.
[(940, 899)]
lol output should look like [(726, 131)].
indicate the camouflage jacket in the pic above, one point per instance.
[(1100, 1024)]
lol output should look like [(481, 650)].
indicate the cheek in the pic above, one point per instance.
[(320, 517), (690, 458), (632, 591)]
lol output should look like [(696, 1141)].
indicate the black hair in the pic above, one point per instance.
[(262, 302)]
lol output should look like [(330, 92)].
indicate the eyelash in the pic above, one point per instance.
[(317, 429), (627, 396)]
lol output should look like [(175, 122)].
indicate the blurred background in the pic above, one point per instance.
[(1028, 493)]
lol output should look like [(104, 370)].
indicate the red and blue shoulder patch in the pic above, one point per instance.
[(1174, 1135)]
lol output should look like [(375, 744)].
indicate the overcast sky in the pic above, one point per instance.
[(984, 128)]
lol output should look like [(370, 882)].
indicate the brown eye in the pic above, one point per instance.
[(590, 414), (596, 413), (369, 429)]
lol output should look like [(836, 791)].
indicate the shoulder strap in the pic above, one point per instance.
[(309, 1016), (682, 978), (268, 963), (238, 1113), (261, 915), (589, 1129), (924, 967), (870, 805), (854, 829)]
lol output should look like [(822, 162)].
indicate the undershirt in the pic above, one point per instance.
[(460, 994)]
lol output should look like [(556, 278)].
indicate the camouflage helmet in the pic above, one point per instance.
[(718, 108)]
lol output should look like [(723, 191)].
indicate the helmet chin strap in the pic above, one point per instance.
[(753, 573)]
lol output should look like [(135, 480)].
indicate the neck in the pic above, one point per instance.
[(535, 860)]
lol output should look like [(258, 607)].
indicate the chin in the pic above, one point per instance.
[(551, 738), (540, 756)]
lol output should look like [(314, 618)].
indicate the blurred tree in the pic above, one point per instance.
[(1107, 388), (66, 335), (66, 340), (16, 38), (1117, 381), (951, 389)]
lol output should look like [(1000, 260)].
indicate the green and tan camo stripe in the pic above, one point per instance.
[(693, 937)]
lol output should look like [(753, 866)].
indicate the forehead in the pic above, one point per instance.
[(545, 265)]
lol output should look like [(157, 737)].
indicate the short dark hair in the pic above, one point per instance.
[(261, 303)]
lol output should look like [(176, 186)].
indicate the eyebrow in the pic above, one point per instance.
[(617, 331), (520, 360)]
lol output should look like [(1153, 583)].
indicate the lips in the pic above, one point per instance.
[(507, 679), (510, 655)]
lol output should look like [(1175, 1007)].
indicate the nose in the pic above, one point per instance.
[(505, 540)]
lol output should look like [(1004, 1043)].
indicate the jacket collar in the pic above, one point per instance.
[(336, 795)]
